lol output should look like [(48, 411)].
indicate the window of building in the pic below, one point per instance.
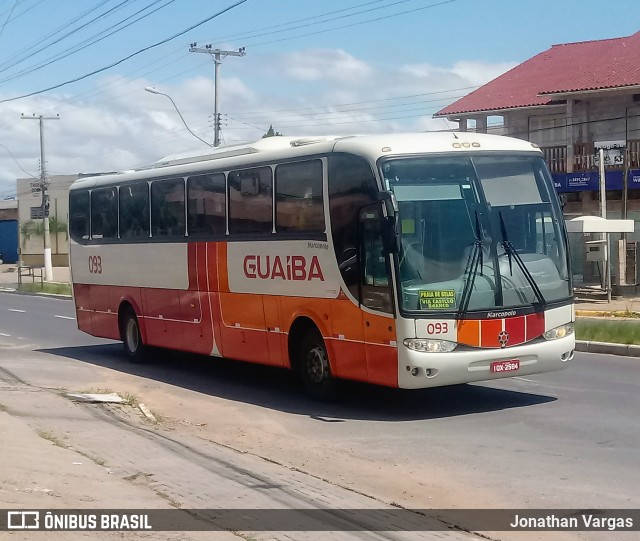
[(251, 201), (167, 208), (206, 205), (299, 203), (134, 211), (104, 213)]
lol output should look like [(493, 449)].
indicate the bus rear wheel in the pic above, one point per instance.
[(131, 337), (314, 367)]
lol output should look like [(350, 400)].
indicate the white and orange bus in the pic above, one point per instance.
[(405, 260)]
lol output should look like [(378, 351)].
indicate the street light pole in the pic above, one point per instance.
[(154, 91), (48, 267), (217, 56)]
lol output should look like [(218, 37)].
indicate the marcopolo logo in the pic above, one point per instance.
[(291, 267), (507, 313)]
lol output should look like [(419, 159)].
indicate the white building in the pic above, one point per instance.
[(30, 213)]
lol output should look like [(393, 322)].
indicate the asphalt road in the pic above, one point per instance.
[(567, 439)]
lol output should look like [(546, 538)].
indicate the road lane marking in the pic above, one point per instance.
[(15, 310), (64, 317), (4, 334)]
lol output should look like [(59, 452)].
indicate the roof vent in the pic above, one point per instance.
[(310, 141)]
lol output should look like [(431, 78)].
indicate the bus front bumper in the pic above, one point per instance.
[(418, 370)]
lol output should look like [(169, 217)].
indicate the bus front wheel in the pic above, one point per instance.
[(131, 336), (314, 367)]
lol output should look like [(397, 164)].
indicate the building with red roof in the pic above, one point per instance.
[(571, 100)]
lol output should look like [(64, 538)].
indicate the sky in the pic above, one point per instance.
[(311, 67)]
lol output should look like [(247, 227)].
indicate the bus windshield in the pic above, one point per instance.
[(479, 232)]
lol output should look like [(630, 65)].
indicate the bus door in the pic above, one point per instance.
[(376, 299)]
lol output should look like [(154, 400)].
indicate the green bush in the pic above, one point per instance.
[(603, 330), (54, 288)]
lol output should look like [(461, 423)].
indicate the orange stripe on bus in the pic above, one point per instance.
[(222, 265), (491, 328), (469, 332)]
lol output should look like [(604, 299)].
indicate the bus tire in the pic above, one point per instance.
[(314, 368), (134, 347)]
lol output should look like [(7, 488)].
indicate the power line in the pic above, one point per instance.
[(353, 24), (17, 162), (274, 29), (607, 119), (139, 51), (406, 96), (90, 41), (15, 3), (41, 43)]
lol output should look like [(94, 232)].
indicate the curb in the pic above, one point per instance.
[(618, 314), (17, 291), (607, 348)]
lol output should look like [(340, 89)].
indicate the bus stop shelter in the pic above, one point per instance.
[(603, 226)]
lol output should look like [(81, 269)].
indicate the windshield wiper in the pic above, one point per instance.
[(512, 252), (471, 270)]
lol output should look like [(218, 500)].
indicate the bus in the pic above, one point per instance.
[(402, 260)]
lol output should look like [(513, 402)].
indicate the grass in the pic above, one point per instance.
[(603, 330), (99, 390), (52, 438), (56, 288), (130, 400)]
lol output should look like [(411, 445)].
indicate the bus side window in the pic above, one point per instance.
[(167, 208), (374, 271), (299, 205), (79, 214), (206, 205), (352, 185), (104, 213), (134, 210), (251, 201)]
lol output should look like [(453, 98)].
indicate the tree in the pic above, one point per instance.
[(36, 227), (271, 132)]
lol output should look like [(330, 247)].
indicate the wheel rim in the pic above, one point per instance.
[(131, 335), (317, 365)]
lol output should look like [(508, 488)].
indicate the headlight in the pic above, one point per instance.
[(559, 332), (429, 345)]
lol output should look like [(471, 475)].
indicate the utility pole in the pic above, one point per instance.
[(217, 56), (48, 268)]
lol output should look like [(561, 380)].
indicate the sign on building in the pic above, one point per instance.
[(37, 213), (613, 153)]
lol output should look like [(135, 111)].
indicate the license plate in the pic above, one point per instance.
[(505, 366)]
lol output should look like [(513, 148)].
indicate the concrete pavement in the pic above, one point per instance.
[(61, 453)]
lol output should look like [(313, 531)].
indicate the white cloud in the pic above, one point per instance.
[(326, 65), (479, 73), (118, 125)]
